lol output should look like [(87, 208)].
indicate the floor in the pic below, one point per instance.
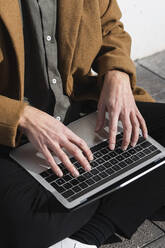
[(151, 234)]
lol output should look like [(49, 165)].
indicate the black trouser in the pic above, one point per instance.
[(31, 217)]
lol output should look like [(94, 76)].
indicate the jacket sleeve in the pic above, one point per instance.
[(116, 43), (10, 112)]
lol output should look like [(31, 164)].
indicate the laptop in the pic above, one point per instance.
[(111, 170)]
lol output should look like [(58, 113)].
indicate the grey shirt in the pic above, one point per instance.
[(43, 83)]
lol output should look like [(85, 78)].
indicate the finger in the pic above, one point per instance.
[(100, 117), (113, 123), (127, 131), (82, 145), (143, 125), (64, 159), (51, 161), (135, 129), (78, 155)]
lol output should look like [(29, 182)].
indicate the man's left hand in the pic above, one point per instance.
[(117, 98)]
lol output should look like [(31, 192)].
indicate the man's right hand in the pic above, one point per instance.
[(46, 133)]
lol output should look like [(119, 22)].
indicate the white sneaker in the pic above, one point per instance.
[(71, 243)]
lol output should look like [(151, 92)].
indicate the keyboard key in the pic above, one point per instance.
[(50, 172), (67, 178), (94, 164), (74, 182), (141, 139), (65, 171), (138, 148), (119, 143), (103, 174), (94, 171), (96, 178), (147, 151), (113, 161), (83, 185), (109, 171), (60, 181), (101, 167), (51, 178), (113, 154), (126, 154), (44, 174), (135, 158), (107, 165), (60, 189), (145, 144), (104, 151), (132, 151), (120, 158), (141, 154), (67, 185), (81, 178), (116, 168), (107, 157), (97, 154), (87, 175), (90, 181), (119, 136), (73, 160), (123, 164), (76, 189), (100, 160), (68, 193), (77, 165), (119, 151), (81, 170), (129, 161), (153, 148)]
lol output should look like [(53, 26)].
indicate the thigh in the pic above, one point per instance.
[(128, 207), (30, 215), (154, 115)]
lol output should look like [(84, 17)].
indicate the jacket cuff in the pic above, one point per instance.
[(10, 112), (107, 63)]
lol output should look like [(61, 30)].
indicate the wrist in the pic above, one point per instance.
[(116, 75), (22, 124)]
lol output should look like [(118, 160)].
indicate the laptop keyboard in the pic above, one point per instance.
[(106, 165)]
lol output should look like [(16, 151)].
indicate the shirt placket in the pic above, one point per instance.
[(49, 15)]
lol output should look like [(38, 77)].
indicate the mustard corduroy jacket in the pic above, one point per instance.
[(90, 35)]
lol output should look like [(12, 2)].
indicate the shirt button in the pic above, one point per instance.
[(54, 81), (58, 118), (48, 38)]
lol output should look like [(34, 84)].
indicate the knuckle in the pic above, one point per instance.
[(49, 160), (76, 152), (128, 128), (136, 125), (112, 106), (99, 106), (82, 143), (113, 128)]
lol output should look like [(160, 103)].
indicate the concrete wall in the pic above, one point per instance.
[(145, 21)]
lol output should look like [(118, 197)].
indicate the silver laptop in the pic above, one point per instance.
[(111, 170)]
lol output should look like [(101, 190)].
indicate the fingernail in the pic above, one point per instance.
[(91, 157), (60, 174), (76, 173), (88, 168), (133, 144), (146, 136), (112, 146), (124, 148), (96, 129)]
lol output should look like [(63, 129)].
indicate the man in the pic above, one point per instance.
[(59, 42)]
